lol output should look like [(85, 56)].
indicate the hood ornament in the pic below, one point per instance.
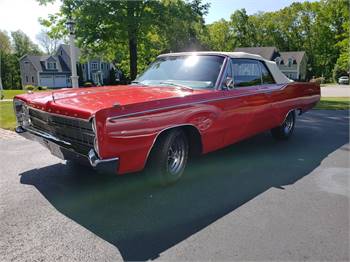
[(53, 97)]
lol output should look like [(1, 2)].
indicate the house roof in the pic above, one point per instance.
[(66, 48), (297, 55), (266, 52), (39, 63)]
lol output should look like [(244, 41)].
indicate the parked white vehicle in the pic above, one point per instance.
[(343, 80)]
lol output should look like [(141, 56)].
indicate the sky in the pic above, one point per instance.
[(24, 14)]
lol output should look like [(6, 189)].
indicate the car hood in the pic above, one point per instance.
[(84, 102)]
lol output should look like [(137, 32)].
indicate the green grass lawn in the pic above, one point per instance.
[(7, 116), (8, 120), (334, 103), (9, 94)]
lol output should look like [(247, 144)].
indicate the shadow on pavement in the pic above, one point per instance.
[(142, 220)]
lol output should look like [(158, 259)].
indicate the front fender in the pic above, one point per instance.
[(130, 137)]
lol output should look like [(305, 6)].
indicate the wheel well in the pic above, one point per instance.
[(193, 136)]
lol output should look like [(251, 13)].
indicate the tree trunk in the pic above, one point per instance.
[(133, 57)]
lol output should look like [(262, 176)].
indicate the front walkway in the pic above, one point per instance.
[(7, 134)]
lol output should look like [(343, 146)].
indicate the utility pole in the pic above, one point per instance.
[(73, 54)]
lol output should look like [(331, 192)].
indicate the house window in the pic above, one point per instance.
[(27, 79), (290, 62), (51, 65), (32, 79), (83, 66), (94, 66), (101, 66), (107, 66)]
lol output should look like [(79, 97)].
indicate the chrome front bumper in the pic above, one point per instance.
[(63, 149)]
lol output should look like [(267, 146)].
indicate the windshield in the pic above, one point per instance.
[(194, 71)]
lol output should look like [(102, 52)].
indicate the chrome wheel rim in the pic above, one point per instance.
[(176, 156), (288, 124)]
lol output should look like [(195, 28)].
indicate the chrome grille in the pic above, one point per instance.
[(76, 131)]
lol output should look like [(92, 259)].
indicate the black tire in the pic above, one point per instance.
[(284, 131), (169, 157)]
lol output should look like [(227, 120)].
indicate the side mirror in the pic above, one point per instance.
[(229, 82)]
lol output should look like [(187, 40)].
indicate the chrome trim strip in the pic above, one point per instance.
[(95, 160), (48, 136), (222, 73), (54, 114), (94, 129), (188, 104), (92, 157)]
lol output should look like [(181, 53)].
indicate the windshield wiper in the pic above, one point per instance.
[(175, 84), (138, 83)]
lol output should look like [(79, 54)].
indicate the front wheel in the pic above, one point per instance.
[(284, 131), (169, 156)]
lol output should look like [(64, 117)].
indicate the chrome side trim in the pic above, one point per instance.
[(95, 160), (192, 103)]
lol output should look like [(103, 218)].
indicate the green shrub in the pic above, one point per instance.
[(30, 87), (318, 80), (88, 84)]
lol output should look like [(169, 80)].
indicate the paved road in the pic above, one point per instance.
[(336, 91), (257, 200)]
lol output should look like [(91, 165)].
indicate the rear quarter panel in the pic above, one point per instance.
[(296, 95)]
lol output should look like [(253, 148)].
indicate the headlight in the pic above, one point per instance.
[(22, 114), (18, 108), (94, 128)]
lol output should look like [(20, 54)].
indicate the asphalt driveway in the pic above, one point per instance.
[(256, 200)]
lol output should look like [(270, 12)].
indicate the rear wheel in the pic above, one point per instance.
[(284, 131), (169, 156)]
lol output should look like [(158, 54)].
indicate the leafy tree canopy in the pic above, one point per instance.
[(131, 32)]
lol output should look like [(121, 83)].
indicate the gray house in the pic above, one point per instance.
[(54, 71), (292, 64)]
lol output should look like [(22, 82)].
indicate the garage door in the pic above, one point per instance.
[(54, 81), (46, 81), (60, 81)]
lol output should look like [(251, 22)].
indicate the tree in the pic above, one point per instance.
[(9, 69), (49, 44), (219, 36), (321, 29), (22, 44), (5, 43), (134, 27)]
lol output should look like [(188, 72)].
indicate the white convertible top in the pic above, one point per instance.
[(279, 77)]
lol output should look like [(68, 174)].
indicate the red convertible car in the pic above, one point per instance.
[(183, 104)]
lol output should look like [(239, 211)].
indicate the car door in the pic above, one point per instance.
[(275, 93), (248, 104)]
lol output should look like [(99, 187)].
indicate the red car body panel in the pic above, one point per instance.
[(130, 118)]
